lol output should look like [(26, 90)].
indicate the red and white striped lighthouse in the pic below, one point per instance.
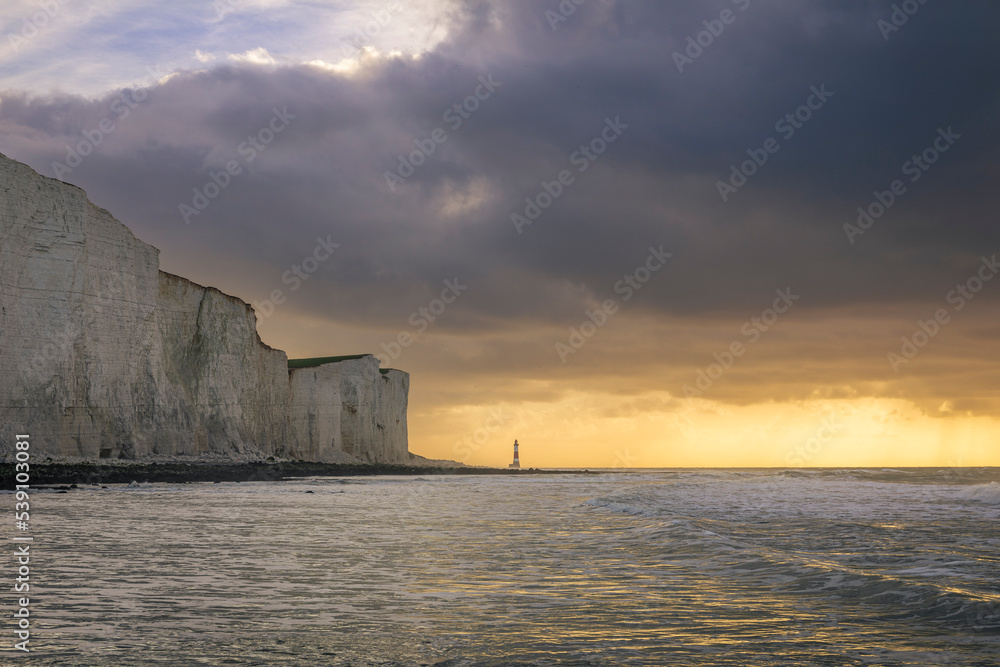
[(516, 463)]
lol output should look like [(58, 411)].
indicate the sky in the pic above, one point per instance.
[(628, 234)]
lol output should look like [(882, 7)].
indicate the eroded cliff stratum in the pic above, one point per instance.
[(102, 355)]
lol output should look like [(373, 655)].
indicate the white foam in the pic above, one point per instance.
[(984, 493)]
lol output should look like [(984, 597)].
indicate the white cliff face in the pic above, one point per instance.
[(215, 378), (359, 395), (103, 355), (390, 415), (350, 407), (314, 415), (77, 299)]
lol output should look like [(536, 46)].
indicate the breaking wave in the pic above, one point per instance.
[(984, 493), (858, 546)]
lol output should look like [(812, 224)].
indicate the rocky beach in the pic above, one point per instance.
[(91, 473)]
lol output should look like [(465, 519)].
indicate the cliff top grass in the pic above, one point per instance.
[(319, 361)]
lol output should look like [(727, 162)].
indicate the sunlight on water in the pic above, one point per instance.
[(682, 567)]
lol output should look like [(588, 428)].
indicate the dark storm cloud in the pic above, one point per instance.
[(655, 184)]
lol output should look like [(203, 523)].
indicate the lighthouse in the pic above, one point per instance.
[(516, 463)]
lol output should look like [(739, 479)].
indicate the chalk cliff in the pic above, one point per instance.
[(104, 355), (219, 389), (340, 410)]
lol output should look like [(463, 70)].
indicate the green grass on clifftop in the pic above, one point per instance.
[(319, 361)]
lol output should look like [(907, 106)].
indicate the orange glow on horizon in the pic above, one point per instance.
[(605, 410)]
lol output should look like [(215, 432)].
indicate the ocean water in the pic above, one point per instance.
[(695, 567)]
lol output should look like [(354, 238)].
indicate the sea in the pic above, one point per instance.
[(623, 567)]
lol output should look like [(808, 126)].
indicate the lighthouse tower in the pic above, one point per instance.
[(516, 463)]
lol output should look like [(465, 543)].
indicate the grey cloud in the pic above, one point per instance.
[(656, 184)]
